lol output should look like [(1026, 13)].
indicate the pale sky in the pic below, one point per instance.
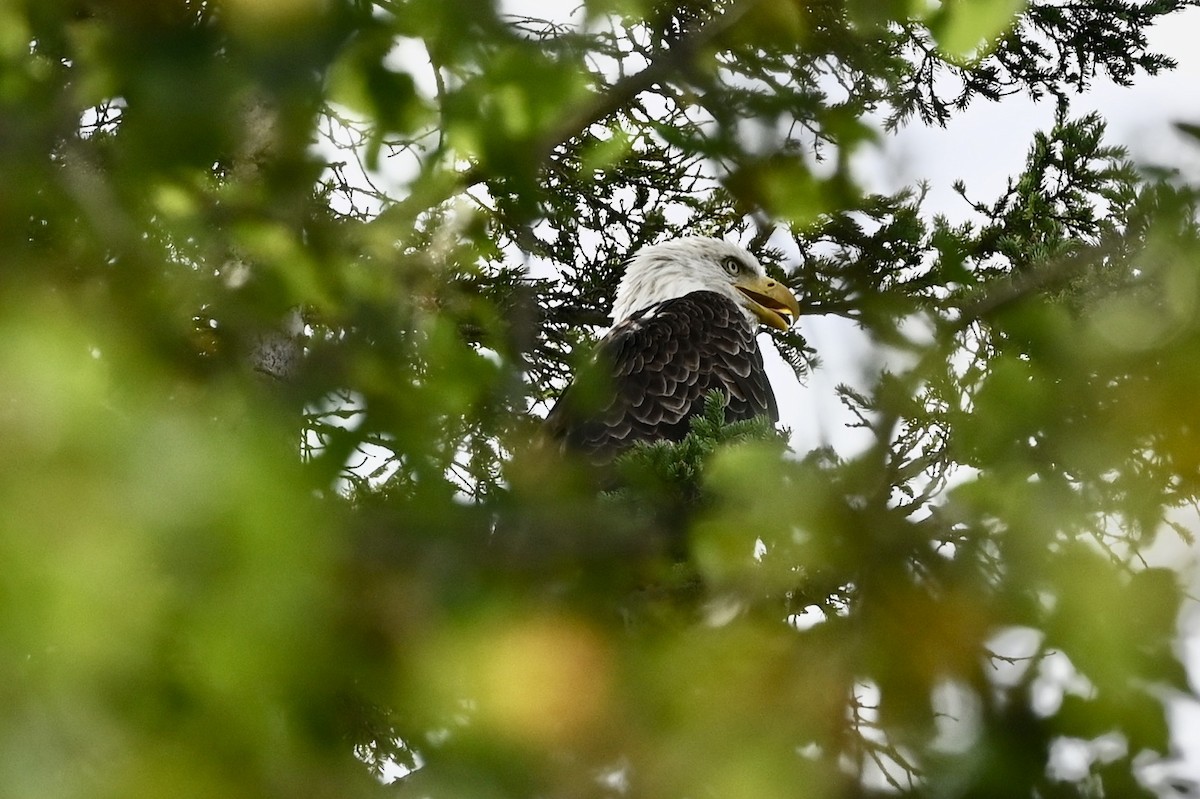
[(984, 146)]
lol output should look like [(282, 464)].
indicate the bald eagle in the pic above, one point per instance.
[(686, 315)]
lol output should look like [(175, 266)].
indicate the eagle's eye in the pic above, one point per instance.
[(732, 265)]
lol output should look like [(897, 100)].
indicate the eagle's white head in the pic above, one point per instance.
[(675, 268)]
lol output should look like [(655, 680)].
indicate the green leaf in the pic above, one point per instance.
[(962, 28)]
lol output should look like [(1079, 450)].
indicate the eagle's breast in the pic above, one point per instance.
[(654, 370)]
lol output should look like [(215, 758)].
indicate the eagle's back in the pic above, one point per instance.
[(653, 371)]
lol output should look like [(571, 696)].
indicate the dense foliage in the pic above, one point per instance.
[(287, 284)]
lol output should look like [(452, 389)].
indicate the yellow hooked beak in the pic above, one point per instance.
[(771, 301)]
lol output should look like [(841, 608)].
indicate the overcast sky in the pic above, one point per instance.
[(984, 146)]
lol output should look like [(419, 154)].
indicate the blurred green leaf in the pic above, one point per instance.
[(962, 27), (288, 286)]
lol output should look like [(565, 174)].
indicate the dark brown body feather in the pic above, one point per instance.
[(661, 362)]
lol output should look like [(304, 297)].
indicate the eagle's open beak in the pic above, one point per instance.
[(771, 301)]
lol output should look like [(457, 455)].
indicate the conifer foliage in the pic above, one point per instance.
[(287, 285)]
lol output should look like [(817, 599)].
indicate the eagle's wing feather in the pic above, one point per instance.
[(663, 360)]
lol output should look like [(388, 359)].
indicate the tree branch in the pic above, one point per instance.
[(664, 65), (1020, 286), (620, 94)]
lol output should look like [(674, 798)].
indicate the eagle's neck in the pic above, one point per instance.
[(641, 289)]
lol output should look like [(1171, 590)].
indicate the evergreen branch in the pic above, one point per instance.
[(1020, 286), (662, 66)]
